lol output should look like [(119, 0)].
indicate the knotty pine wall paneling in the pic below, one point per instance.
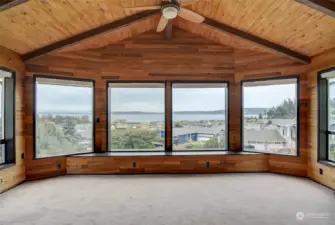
[(15, 174), (319, 63), (55, 166), (167, 164), (252, 65)]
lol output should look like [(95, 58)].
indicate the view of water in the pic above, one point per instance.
[(152, 117)]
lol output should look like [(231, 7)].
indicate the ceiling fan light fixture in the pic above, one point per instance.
[(170, 11)]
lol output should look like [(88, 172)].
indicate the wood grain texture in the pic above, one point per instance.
[(150, 57), (224, 28), (110, 27), (15, 174), (321, 62), (7, 4), (284, 22), (250, 68), (166, 164), (324, 6)]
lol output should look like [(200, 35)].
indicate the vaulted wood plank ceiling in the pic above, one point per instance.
[(150, 56), (38, 23)]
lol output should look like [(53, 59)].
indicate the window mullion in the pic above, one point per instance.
[(168, 117)]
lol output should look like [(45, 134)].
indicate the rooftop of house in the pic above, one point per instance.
[(177, 131), (282, 122), (253, 135)]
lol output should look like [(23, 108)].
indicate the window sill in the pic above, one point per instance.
[(6, 166), (275, 154), (327, 163), (175, 153)]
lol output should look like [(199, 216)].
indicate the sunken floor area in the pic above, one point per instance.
[(218, 199)]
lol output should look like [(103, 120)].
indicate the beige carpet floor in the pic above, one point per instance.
[(219, 199)]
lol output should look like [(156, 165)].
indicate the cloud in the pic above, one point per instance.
[(79, 99)]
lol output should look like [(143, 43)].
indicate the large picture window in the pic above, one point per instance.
[(199, 116), (64, 116), (270, 116), (7, 116), (327, 115), (136, 116)]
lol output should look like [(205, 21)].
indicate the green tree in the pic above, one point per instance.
[(332, 153), (214, 142), (69, 129), (135, 139), (46, 130), (178, 124), (260, 116), (194, 146), (286, 110)]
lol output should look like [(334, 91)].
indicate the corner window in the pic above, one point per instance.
[(7, 116), (199, 116), (64, 116), (136, 116), (270, 116), (326, 96)]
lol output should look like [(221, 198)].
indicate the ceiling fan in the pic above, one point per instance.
[(171, 9)]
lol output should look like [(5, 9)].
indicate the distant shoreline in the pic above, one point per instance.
[(252, 111)]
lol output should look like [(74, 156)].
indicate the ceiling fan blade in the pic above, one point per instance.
[(191, 16), (187, 2), (162, 24), (143, 7)]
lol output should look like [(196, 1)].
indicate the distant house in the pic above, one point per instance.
[(275, 135), (263, 140), (287, 128), (184, 135)]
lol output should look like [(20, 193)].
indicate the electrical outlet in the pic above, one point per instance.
[(321, 171), (1, 180)]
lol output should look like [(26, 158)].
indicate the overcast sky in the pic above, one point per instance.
[(268, 96), (79, 99), (55, 98)]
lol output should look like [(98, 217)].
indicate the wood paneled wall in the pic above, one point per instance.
[(167, 164), (150, 57), (15, 174), (322, 62)]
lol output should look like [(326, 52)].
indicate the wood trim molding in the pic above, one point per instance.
[(89, 34), (7, 4), (325, 6), (257, 40)]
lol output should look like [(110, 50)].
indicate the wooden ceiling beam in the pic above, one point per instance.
[(257, 40), (89, 34), (325, 6), (7, 4)]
